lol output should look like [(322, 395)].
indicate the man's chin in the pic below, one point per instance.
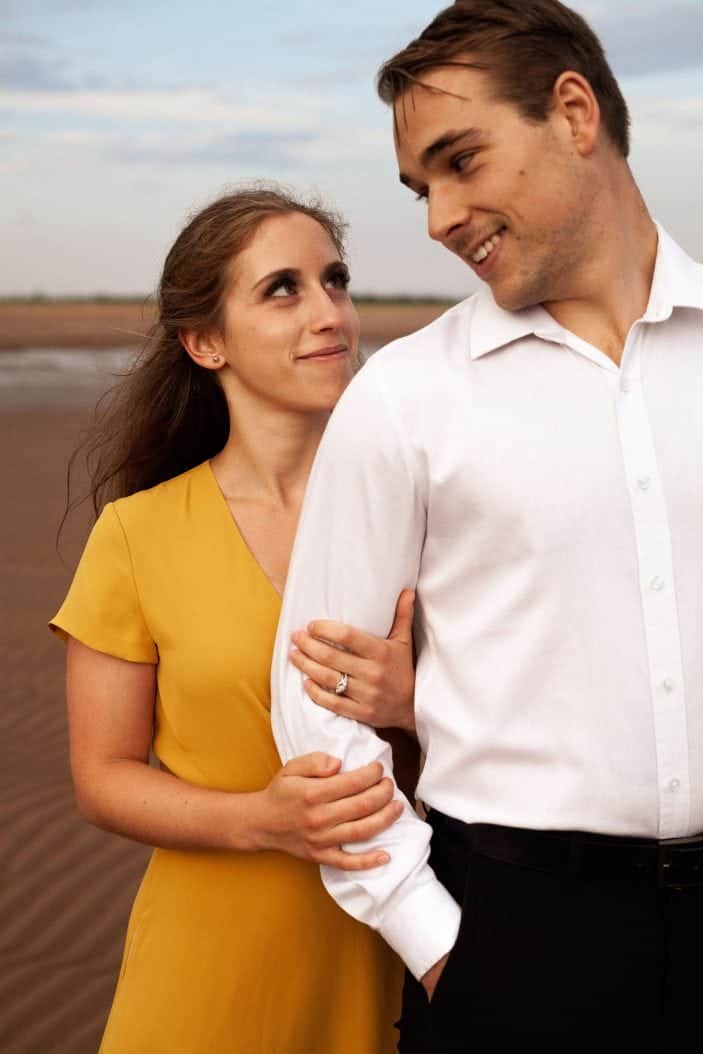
[(513, 299)]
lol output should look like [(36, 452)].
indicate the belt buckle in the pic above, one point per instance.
[(671, 856)]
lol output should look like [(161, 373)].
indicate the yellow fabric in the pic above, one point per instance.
[(225, 952)]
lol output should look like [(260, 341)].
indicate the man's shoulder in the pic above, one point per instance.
[(404, 379), (684, 275), (410, 357)]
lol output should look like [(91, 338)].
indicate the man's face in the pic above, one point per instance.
[(509, 196)]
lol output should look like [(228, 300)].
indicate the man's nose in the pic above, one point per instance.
[(447, 212)]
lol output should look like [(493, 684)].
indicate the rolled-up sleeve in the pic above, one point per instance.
[(359, 543)]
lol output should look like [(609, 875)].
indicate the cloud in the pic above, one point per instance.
[(328, 80), (308, 151), (255, 149), (33, 63), (655, 116), (11, 38), (648, 37), (179, 106), (24, 71)]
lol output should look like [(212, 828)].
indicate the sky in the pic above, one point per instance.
[(118, 120)]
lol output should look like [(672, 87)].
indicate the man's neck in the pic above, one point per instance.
[(612, 291)]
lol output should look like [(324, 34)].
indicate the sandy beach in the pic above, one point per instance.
[(74, 324), (66, 887)]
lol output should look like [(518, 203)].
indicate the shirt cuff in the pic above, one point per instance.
[(423, 926)]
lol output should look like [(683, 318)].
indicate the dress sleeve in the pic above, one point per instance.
[(102, 608)]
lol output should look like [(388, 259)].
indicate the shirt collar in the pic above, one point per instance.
[(677, 282), (493, 327)]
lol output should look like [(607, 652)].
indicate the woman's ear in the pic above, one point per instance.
[(204, 347)]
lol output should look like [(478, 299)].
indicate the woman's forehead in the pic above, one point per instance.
[(292, 240)]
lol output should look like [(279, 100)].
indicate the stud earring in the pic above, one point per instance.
[(215, 358)]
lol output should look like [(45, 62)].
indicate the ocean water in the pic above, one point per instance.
[(66, 377), (61, 377)]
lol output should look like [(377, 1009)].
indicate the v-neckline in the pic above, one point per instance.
[(238, 532)]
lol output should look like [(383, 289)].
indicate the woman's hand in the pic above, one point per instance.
[(381, 674), (310, 809)]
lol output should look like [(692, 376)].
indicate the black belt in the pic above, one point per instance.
[(674, 862)]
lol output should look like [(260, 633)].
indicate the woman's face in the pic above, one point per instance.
[(291, 332)]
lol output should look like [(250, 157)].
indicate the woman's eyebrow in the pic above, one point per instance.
[(282, 272), (336, 265)]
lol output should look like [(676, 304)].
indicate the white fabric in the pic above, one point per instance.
[(548, 506)]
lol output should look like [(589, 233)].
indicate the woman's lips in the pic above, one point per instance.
[(326, 354)]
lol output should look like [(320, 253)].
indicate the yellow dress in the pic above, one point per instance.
[(225, 952)]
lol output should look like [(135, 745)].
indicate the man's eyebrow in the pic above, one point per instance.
[(441, 143), (445, 140)]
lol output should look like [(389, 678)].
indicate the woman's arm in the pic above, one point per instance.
[(308, 809)]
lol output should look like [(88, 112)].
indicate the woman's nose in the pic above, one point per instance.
[(326, 313)]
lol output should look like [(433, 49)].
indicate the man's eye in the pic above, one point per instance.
[(462, 162)]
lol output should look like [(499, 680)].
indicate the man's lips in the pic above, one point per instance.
[(466, 248)]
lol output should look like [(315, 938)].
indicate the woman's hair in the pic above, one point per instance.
[(168, 414), (524, 45)]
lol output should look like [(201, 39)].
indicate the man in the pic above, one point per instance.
[(532, 462)]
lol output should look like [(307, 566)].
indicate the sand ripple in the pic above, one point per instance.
[(65, 888)]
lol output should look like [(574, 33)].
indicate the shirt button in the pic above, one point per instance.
[(674, 785), (657, 584), (644, 482), (668, 684), (625, 386)]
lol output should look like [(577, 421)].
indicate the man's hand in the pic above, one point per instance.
[(433, 975)]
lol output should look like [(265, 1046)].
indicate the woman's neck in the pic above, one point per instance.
[(269, 453)]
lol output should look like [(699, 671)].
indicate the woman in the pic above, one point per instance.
[(233, 944)]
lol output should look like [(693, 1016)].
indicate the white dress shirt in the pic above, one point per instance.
[(548, 507)]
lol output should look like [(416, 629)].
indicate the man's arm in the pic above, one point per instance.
[(359, 543)]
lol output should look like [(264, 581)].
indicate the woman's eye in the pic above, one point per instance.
[(339, 279), (283, 287), (422, 196)]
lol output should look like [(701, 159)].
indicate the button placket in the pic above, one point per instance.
[(653, 543)]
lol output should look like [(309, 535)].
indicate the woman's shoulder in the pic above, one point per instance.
[(145, 509)]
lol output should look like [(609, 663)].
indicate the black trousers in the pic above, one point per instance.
[(565, 959)]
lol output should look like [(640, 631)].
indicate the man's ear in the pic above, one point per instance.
[(205, 347), (573, 99)]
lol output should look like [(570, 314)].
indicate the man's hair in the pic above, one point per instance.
[(524, 45)]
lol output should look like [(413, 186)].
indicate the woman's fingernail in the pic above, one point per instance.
[(383, 858)]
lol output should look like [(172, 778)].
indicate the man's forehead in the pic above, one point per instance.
[(444, 95)]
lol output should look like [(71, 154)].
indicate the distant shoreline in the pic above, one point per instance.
[(110, 322)]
